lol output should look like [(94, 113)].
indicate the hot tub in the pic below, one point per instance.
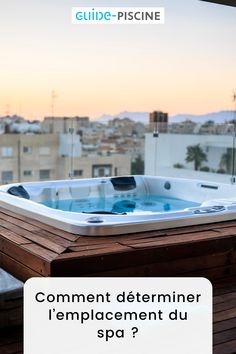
[(121, 205)]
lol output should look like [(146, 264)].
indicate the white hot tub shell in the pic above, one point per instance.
[(215, 202)]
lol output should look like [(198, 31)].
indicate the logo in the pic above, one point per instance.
[(118, 15)]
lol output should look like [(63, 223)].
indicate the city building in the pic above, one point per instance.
[(185, 127), (34, 157), (62, 125), (15, 123)]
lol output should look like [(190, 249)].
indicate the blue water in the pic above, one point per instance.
[(150, 203)]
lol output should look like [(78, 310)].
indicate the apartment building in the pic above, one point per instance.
[(95, 166), (34, 157), (63, 125)]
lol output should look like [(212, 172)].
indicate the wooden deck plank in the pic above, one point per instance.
[(58, 240), (44, 253), (29, 235), (225, 348), (230, 230), (176, 240), (26, 257), (12, 220), (224, 298), (225, 336), (225, 315), (87, 247), (224, 325), (98, 249), (36, 234), (18, 269), (12, 236), (179, 267), (226, 305), (35, 223)]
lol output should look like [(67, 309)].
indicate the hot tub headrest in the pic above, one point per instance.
[(19, 191), (123, 183)]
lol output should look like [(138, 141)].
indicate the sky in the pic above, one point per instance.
[(187, 65)]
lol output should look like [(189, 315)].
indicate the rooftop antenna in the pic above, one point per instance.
[(234, 137), (53, 97)]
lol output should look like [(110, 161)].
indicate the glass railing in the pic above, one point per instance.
[(66, 148), (192, 150)]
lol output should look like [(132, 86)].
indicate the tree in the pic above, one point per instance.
[(137, 166), (197, 155)]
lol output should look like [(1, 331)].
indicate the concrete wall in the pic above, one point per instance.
[(65, 145)]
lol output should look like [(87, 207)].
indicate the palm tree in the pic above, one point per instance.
[(195, 154)]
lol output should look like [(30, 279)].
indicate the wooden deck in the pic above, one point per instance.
[(29, 248), (224, 328)]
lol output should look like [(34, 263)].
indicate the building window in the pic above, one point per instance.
[(44, 150), (116, 171), (27, 149), (44, 174), (27, 173), (78, 173), (7, 151), (101, 170), (7, 177)]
